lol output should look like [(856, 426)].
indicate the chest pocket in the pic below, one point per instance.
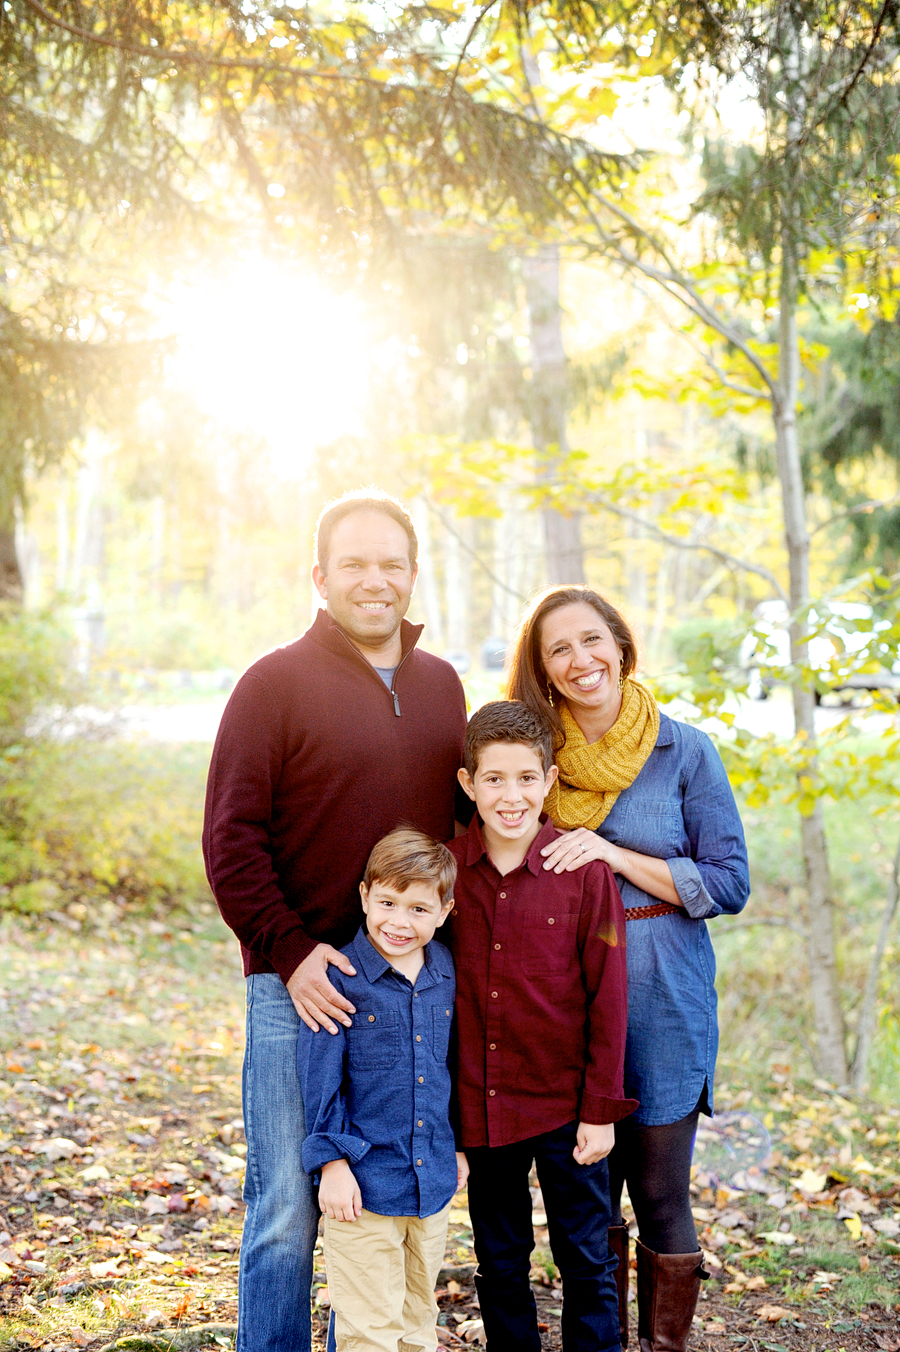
[(649, 826), (373, 1041), (443, 1020), (548, 943)]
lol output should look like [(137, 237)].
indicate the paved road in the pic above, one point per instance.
[(198, 721)]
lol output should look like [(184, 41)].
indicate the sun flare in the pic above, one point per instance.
[(273, 351)]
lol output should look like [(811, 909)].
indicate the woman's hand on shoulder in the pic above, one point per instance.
[(576, 848)]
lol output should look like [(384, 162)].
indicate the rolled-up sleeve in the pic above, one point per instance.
[(321, 1068), (715, 876)]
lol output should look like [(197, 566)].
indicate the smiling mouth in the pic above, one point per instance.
[(397, 938), (589, 682), (372, 605), (512, 818)]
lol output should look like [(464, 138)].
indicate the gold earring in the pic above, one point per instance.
[(621, 681), (550, 694)]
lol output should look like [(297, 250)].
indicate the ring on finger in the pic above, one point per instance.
[(582, 846)]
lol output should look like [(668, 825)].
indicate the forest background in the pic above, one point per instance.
[(606, 293)]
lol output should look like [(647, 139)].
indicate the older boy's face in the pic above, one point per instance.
[(399, 923), (509, 787)]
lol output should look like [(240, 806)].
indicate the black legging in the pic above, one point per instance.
[(655, 1162)]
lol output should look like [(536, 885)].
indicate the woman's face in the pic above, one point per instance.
[(582, 660)]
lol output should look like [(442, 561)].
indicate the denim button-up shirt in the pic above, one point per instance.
[(680, 808), (377, 1094)]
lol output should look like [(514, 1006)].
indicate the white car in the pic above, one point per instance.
[(766, 648)]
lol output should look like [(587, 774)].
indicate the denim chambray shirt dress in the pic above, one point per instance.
[(680, 808)]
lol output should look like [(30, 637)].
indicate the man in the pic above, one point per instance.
[(326, 745)]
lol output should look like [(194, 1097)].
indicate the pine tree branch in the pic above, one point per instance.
[(188, 56)]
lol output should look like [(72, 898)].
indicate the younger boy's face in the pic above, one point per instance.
[(509, 787), (399, 923)]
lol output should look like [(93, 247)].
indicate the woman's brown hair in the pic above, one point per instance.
[(526, 680)]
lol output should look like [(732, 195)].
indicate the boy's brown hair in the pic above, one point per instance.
[(506, 720), (406, 857)]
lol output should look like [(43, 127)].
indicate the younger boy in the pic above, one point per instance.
[(541, 1012), (377, 1103)]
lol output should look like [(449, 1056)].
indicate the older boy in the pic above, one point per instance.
[(377, 1100), (541, 1010)]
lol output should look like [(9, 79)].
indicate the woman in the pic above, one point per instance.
[(650, 796)]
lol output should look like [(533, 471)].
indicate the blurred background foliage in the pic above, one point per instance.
[(541, 269)]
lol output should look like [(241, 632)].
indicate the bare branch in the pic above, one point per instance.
[(473, 552), (673, 281), (599, 499), (772, 921), (861, 509)]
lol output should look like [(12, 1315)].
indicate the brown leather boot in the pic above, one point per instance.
[(617, 1235), (668, 1286)]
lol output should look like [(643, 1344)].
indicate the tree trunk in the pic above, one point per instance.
[(829, 1021), (427, 585), (562, 532), (865, 1029), (11, 588)]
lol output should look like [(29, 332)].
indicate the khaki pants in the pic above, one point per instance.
[(382, 1271)]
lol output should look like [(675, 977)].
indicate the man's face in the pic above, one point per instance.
[(367, 580)]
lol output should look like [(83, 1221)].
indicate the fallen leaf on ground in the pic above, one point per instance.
[(771, 1314), (110, 1268)]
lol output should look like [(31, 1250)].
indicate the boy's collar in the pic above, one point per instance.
[(476, 847), (373, 964)]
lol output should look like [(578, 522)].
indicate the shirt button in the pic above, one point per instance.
[(503, 896), (493, 1046), (497, 947), (421, 1079), (494, 994), (418, 1038), (371, 1018), (550, 920), (454, 911), (492, 1093), (418, 1161), (420, 1123), (447, 1012)]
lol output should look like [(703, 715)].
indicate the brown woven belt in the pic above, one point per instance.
[(648, 912)]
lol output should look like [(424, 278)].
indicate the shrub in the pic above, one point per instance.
[(82, 818)]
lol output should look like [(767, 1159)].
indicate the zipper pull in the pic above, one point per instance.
[(396, 703)]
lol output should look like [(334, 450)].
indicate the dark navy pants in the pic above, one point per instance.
[(576, 1199)]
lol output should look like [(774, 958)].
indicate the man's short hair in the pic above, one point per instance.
[(506, 720), (406, 857), (369, 499)]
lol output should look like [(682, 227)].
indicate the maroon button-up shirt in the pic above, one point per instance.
[(541, 994)]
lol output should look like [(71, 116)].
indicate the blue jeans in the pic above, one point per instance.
[(576, 1198), (282, 1214)]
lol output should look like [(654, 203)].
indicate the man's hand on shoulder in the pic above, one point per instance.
[(339, 1196), (315, 999)]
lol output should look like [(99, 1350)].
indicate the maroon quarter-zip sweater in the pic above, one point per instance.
[(314, 762)]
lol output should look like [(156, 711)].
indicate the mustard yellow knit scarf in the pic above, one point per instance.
[(591, 777)]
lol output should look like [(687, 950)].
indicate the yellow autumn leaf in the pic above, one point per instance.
[(854, 1225)]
